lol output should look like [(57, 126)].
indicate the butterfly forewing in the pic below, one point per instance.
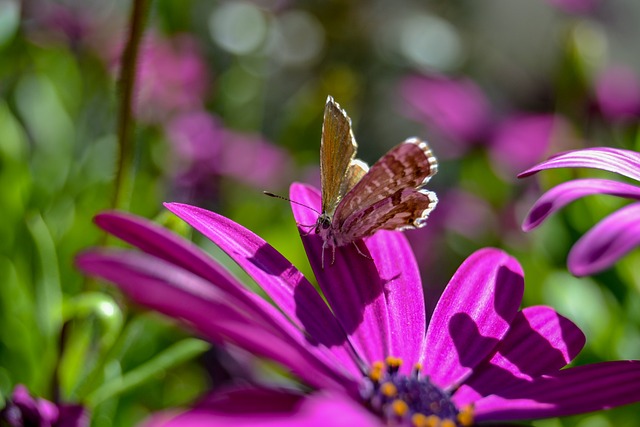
[(407, 166), (337, 151)]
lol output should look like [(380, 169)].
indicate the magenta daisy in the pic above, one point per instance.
[(615, 235), (365, 356)]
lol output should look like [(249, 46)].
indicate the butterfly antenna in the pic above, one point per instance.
[(267, 193)]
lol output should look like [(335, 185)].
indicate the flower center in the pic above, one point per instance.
[(410, 400)]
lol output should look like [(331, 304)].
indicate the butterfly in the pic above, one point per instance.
[(357, 200)]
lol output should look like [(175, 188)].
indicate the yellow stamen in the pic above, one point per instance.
[(432, 421), (465, 417), (393, 362), (400, 407), (419, 420), (388, 389), (447, 423)]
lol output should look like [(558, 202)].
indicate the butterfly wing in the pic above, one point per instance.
[(408, 166), (406, 209), (337, 153)]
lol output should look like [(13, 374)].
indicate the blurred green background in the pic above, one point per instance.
[(229, 103)]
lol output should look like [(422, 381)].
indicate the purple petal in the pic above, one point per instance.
[(352, 285), (563, 194), (398, 269), (624, 162), (216, 314), (275, 408), (606, 242), (163, 244), (284, 284), (539, 341), (472, 316), (571, 391)]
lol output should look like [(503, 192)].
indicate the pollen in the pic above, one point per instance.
[(400, 407), (388, 389), (465, 417), (410, 399)]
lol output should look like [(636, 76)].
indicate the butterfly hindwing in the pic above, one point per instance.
[(405, 209), (337, 151), (409, 166)]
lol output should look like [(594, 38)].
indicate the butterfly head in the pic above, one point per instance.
[(323, 224)]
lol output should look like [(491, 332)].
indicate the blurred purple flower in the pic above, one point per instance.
[(366, 352), (87, 25), (522, 140), (458, 108), (205, 150), (615, 235), (575, 6), (171, 78), (617, 92), (23, 410)]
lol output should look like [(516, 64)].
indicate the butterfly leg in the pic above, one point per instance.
[(360, 252)]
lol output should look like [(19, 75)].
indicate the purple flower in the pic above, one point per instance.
[(205, 150), (458, 109), (615, 235), (172, 77), (23, 410), (617, 91), (522, 140), (365, 355)]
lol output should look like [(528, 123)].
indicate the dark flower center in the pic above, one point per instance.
[(410, 400)]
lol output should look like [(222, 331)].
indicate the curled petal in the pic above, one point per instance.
[(571, 391), (623, 162), (539, 341), (563, 194), (606, 242), (473, 315)]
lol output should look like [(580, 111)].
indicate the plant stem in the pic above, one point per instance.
[(126, 86)]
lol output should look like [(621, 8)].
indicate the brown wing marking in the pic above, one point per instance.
[(337, 150), (408, 165), (406, 209)]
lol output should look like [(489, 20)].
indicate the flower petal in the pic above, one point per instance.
[(398, 269), (284, 284), (571, 391), (180, 294), (165, 245), (273, 408), (606, 242), (351, 283), (563, 194), (539, 341), (472, 316), (624, 162)]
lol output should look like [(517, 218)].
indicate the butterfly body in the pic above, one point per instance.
[(358, 201)]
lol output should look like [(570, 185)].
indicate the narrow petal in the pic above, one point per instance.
[(167, 246), (316, 410), (284, 284), (220, 317), (398, 269), (473, 315), (624, 162), (563, 194), (539, 341), (606, 242), (571, 391), (350, 282)]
